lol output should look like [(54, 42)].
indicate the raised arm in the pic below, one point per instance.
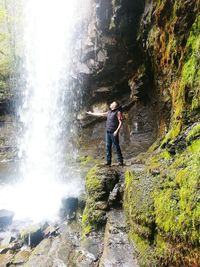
[(97, 114)]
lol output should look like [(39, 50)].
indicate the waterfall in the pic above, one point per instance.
[(51, 38)]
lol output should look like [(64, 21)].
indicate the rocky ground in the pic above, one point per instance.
[(67, 242)]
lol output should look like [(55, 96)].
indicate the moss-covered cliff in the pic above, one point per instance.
[(169, 36), (162, 202)]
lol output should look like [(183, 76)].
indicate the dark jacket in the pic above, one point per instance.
[(112, 120)]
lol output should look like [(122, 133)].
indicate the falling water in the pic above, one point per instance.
[(49, 100)]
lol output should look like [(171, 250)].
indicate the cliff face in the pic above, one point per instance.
[(162, 202), (169, 35), (159, 66), (114, 69)]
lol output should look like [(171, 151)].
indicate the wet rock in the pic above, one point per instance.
[(117, 251), (51, 230), (40, 255), (5, 259), (89, 251), (101, 205), (69, 207), (6, 217), (52, 251), (7, 239), (21, 257), (12, 247), (82, 202), (115, 196), (32, 235)]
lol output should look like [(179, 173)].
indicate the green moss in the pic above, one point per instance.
[(165, 155), (144, 251), (165, 202), (85, 160), (93, 184), (190, 75), (193, 133), (176, 204), (86, 226), (138, 207), (175, 208), (100, 181), (186, 93), (157, 161), (90, 216), (92, 219), (195, 146), (129, 176)]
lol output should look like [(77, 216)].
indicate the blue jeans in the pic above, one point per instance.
[(112, 140)]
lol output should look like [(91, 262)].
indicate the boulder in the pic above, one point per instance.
[(100, 182), (51, 230), (69, 207), (21, 257), (32, 235), (5, 259), (12, 247), (6, 217), (7, 239)]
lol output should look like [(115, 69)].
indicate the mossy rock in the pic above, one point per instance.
[(21, 257), (100, 181), (163, 210), (194, 133), (139, 211)]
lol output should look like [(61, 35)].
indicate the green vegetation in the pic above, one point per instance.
[(189, 84), (86, 160), (164, 217), (100, 181), (193, 133), (6, 54), (92, 217), (139, 211)]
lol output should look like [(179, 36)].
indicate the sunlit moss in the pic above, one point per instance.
[(85, 160), (92, 183), (194, 133), (177, 208), (174, 205), (195, 146), (145, 252)]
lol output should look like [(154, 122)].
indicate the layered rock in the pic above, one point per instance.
[(117, 72)]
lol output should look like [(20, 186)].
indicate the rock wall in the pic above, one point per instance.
[(162, 202), (169, 35), (114, 69), (159, 68)]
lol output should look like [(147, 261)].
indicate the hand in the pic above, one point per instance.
[(115, 133)]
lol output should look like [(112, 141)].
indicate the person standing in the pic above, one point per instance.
[(113, 126)]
